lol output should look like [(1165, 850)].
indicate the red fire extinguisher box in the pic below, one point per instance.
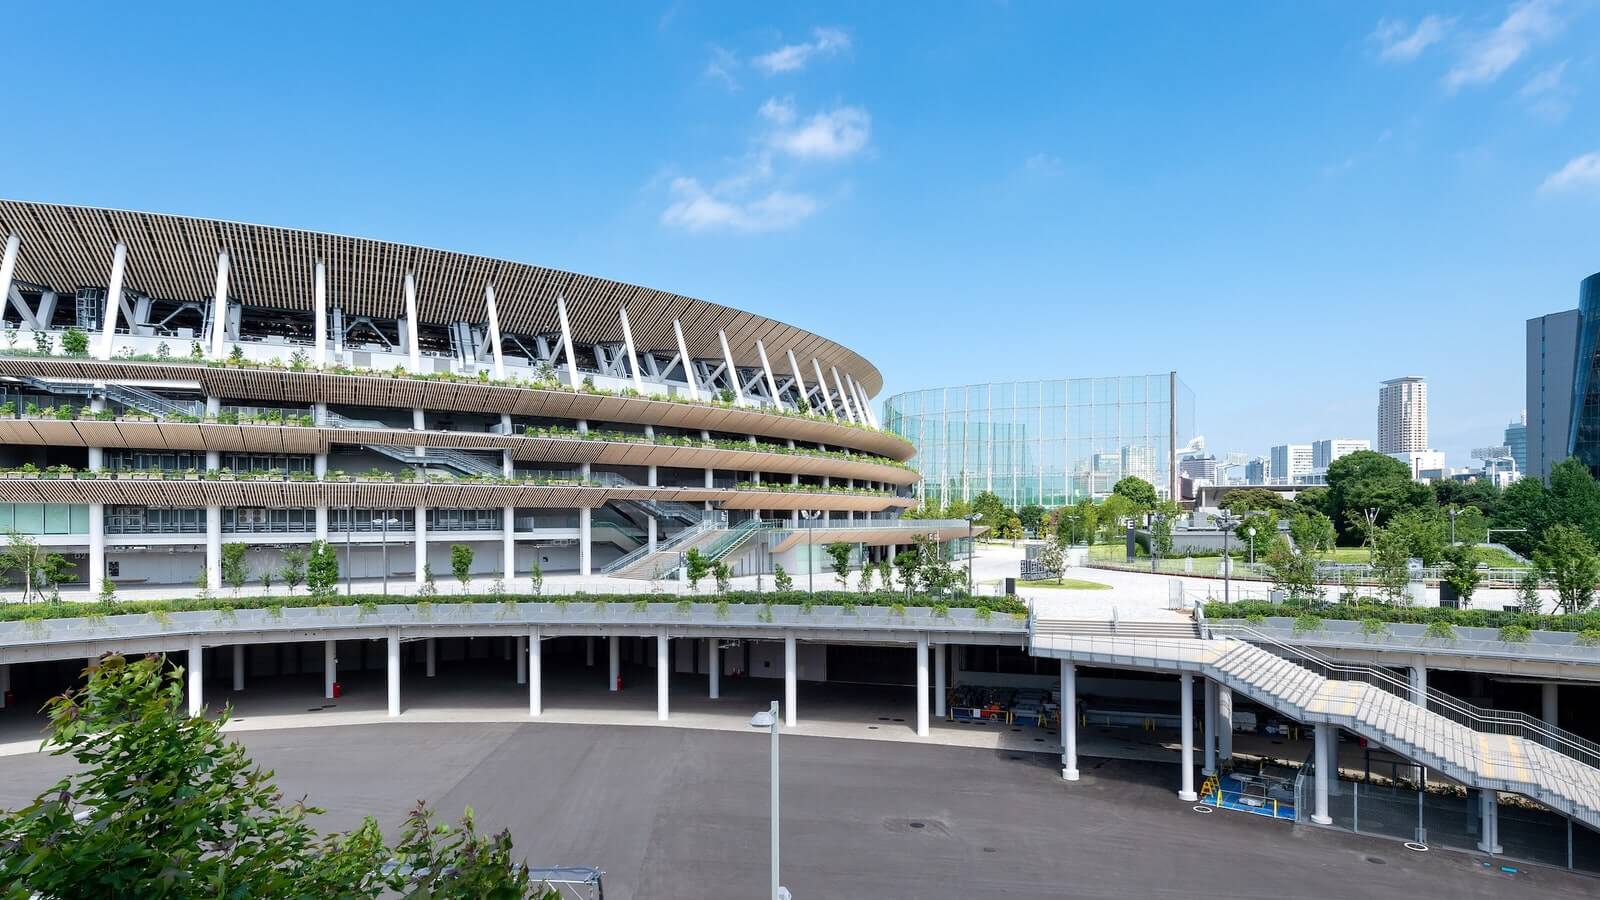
[(338, 690)]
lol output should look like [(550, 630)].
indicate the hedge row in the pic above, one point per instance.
[(14, 612), (1412, 615)]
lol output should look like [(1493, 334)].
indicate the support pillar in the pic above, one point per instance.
[(790, 685), (1324, 757), (108, 335), (214, 548), (432, 652), (535, 672), (5, 683), (319, 315), (663, 673), (421, 546), (939, 655), (196, 663), (1224, 722), (585, 525), (508, 547), (615, 668), (238, 667), (394, 673), (922, 685), (522, 659), (1550, 703), (1209, 765), (219, 309), (1489, 822), (714, 667), (1419, 684), (1186, 727), (330, 667), (97, 548), (1069, 721), (588, 651)]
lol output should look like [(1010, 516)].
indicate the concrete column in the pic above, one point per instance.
[(1224, 722), (522, 659), (1550, 703), (939, 655), (219, 309), (790, 685), (588, 651), (238, 667), (8, 266), (714, 667), (1209, 765), (663, 673), (651, 476), (585, 533), (97, 548), (1489, 822), (1323, 757), (196, 662), (421, 544), (615, 667), (108, 335), (5, 682), (922, 685), (1186, 727), (319, 314), (1419, 683), (330, 667), (432, 652), (394, 673), (413, 342), (1069, 721), (214, 547), (535, 672), (508, 546)]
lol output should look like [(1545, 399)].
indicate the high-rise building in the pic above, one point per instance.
[(1403, 415), (1290, 461), (1199, 467), (1258, 470), (1552, 348), (1517, 442), (1323, 453), (1585, 440)]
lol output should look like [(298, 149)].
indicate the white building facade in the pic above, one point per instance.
[(1403, 415)]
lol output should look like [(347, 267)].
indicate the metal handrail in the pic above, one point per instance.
[(736, 538), (632, 556), (1489, 721)]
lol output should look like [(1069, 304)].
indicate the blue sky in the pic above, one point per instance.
[(1286, 202)]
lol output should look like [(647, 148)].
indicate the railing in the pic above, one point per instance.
[(670, 509), (627, 560), (462, 462), (1487, 721), (735, 539), (151, 402)]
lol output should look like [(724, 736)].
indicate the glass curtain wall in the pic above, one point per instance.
[(1046, 442)]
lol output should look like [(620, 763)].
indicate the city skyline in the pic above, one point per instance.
[(1386, 188)]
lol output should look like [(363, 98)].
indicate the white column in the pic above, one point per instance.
[(614, 670), (1489, 822), (844, 398), (714, 667), (238, 667), (508, 546), (432, 652), (1323, 762), (860, 397), (1224, 722), (319, 313), (394, 673), (663, 673), (319, 469), (1419, 684), (108, 335), (421, 547), (566, 342), (8, 267), (791, 690), (413, 342), (766, 366), (588, 651), (733, 371), (688, 363), (214, 547), (330, 667), (5, 683), (1069, 721), (196, 661), (822, 385), (535, 672), (585, 532), (1209, 757), (799, 380), (219, 309), (633, 356), (1186, 726), (97, 548), (1550, 703), (922, 685), (522, 659), (494, 331), (939, 653)]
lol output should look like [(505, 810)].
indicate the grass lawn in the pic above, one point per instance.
[(1068, 584)]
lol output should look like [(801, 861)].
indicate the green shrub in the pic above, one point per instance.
[(1515, 634), (1441, 629), (1374, 627), (1307, 622)]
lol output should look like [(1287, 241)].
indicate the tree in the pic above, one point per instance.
[(23, 556), (265, 576), (75, 342), (886, 574), (781, 580), (1295, 573), (1471, 527), (1246, 500), (1369, 480), (907, 561), (1425, 533), (1265, 525), (723, 576), (161, 804), (1528, 600), (1115, 514), (1391, 559), (696, 567), (1083, 519), (536, 578), (1575, 497), (235, 572), (1312, 499), (839, 552), (1053, 559), (55, 571), (1032, 518), (994, 510), (461, 564), (1312, 531), (293, 571), (934, 572), (1461, 572), (1141, 493), (108, 592), (322, 569), (1525, 504), (1567, 559), (1012, 529)]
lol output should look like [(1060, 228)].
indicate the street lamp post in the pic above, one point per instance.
[(1227, 522), (811, 516), (769, 720), (975, 517), (1252, 530)]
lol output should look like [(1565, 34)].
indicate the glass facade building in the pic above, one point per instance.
[(1585, 435), (1045, 442)]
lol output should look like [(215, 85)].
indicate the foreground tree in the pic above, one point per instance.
[(1053, 559), (322, 569), (1141, 493), (1461, 572), (1567, 558), (162, 805), (1291, 572)]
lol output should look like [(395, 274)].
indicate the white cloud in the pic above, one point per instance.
[(1547, 96), (1044, 164), (1579, 174), (838, 133), (1490, 56), (696, 209), (722, 67), (1399, 42), (794, 57)]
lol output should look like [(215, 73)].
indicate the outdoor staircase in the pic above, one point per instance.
[(1482, 748), (671, 510), (642, 563), (459, 460), (137, 398), (736, 538)]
